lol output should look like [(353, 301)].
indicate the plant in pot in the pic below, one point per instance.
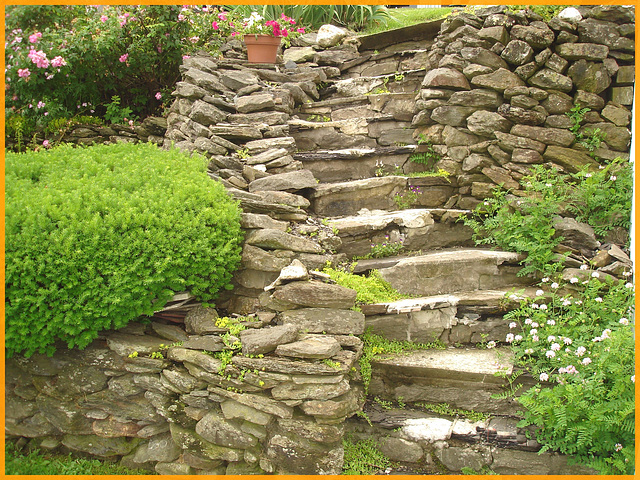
[(262, 37)]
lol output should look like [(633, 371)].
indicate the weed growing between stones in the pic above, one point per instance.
[(579, 343), (594, 138), (446, 409), (601, 198), (384, 249), (483, 471), (408, 199), (370, 289), (362, 457)]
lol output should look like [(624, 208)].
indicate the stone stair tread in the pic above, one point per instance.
[(353, 153), (487, 298), (464, 363), (342, 101)]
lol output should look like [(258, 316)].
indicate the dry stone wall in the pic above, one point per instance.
[(495, 99)]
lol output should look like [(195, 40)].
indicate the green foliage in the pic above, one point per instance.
[(439, 173), (362, 457), (446, 409), (592, 140), (603, 198), (115, 113), (483, 471), (97, 236), (385, 404), (403, 17), (547, 12), (374, 344), (408, 198), (35, 462), (384, 249), (583, 344), (370, 289), (60, 125), (354, 17), (429, 157)]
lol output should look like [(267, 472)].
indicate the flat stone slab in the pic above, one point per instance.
[(380, 219), (450, 271)]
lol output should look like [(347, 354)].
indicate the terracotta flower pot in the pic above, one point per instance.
[(262, 48)]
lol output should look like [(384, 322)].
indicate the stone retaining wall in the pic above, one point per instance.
[(495, 99)]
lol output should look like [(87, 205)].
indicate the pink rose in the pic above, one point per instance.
[(35, 37), (124, 58), (158, 96), (104, 18)]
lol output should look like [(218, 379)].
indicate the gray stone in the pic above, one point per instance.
[(255, 220), (557, 63), (202, 360), (549, 79), (180, 380), (211, 343), (336, 56), (483, 56), (337, 408), (476, 98), (571, 160), (617, 114), (510, 462), (215, 429), (173, 468), (330, 35), (509, 142), (124, 385), (99, 446), (453, 137), (589, 76), (238, 79), (254, 103), (233, 410), (549, 136), (186, 90), (589, 100), (400, 450), (497, 33), (586, 51), (258, 259), (309, 391), (258, 402), (453, 115), (517, 53), (312, 430), (302, 457), (625, 75), (618, 138), (500, 155), (299, 54), (456, 458), (160, 448), (577, 235), (557, 103), (499, 80), (622, 95), (265, 340), (315, 294), (188, 440), (539, 36), (332, 321), (170, 332), (201, 320), (206, 114), (73, 381), (500, 176), (445, 78), (522, 155), (292, 181), (310, 347), (272, 239), (487, 123), (473, 70), (124, 344)]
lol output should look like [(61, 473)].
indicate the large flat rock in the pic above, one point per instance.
[(451, 271)]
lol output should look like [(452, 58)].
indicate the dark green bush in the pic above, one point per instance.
[(98, 236)]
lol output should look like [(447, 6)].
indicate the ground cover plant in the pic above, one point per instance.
[(97, 236), (36, 462)]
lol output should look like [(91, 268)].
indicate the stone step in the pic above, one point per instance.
[(362, 99), (462, 318), (464, 378), (416, 229), (451, 270), (376, 193), (421, 31)]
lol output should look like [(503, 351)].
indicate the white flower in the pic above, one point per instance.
[(539, 293), (628, 285), (528, 321), (513, 297), (529, 351), (574, 280), (567, 341), (613, 178), (550, 354), (551, 338), (551, 322), (595, 274), (534, 325), (534, 306), (581, 351), (633, 378), (618, 447), (598, 299), (517, 338), (624, 321), (544, 377), (509, 338), (587, 175), (554, 285), (555, 347), (586, 361), (568, 350), (543, 307), (578, 302), (535, 338), (545, 279), (513, 325), (627, 274), (597, 339), (491, 344), (566, 302), (605, 333), (533, 331), (584, 267)]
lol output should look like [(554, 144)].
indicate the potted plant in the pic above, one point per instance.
[(262, 37)]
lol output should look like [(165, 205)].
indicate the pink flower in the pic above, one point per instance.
[(124, 58), (104, 18), (222, 16), (215, 25), (185, 57), (39, 58), (131, 123), (300, 30), (58, 61), (158, 96), (45, 144), (35, 37), (181, 17), (24, 73), (40, 104)]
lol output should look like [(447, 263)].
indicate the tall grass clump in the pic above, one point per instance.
[(97, 236)]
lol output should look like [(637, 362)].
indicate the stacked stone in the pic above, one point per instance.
[(501, 82), (155, 397)]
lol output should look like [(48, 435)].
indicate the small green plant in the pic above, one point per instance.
[(133, 355), (398, 77), (243, 153), (429, 157), (117, 114), (156, 355), (362, 457), (448, 410), (385, 404), (364, 416), (407, 199), (401, 403), (370, 289), (483, 471), (318, 118), (332, 363), (384, 249), (439, 173)]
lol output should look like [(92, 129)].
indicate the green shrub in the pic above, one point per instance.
[(583, 343), (98, 236), (362, 457), (370, 289)]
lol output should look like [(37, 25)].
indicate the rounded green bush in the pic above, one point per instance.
[(97, 236)]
